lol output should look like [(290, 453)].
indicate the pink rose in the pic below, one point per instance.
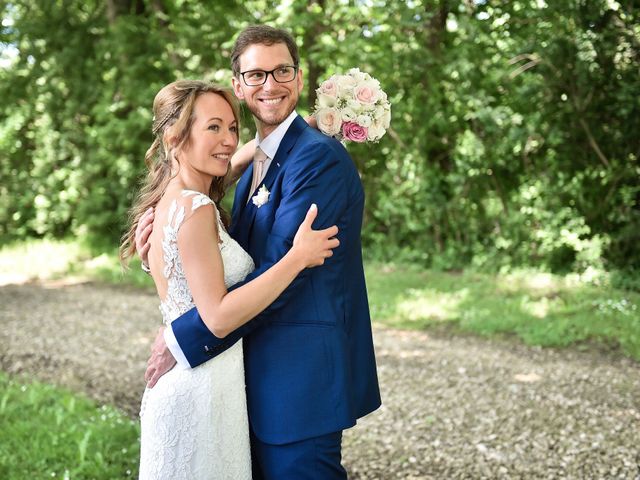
[(354, 132), (367, 93), (329, 88)]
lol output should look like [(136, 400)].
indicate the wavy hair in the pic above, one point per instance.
[(173, 117)]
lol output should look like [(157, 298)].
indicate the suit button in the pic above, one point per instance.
[(208, 350)]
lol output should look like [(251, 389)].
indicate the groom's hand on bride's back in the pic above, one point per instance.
[(160, 362), (143, 232)]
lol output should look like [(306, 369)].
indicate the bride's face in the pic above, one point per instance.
[(213, 137)]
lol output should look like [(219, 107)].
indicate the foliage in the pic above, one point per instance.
[(514, 123), (48, 432)]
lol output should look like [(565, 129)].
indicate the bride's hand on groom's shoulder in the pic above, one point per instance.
[(314, 246)]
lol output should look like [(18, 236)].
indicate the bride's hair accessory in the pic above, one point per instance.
[(158, 126), (352, 107)]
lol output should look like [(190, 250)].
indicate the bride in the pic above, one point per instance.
[(194, 421)]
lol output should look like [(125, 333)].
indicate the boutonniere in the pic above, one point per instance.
[(261, 197)]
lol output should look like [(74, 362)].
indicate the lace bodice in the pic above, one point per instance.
[(237, 263)]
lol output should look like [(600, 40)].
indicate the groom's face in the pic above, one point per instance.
[(272, 102)]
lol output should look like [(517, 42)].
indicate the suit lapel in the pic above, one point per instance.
[(239, 206), (289, 140), (243, 212)]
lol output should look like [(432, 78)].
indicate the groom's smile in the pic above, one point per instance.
[(271, 101)]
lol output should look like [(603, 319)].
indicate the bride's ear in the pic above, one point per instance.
[(170, 138)]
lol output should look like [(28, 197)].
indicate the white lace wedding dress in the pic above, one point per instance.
[(194, 422)]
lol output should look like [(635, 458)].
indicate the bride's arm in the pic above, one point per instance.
[(240, 161), (223, 311)]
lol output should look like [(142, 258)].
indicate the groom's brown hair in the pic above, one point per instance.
[(261, 35)]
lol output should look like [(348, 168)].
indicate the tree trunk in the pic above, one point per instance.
[(116, 8), (436, 26), (313, 69)]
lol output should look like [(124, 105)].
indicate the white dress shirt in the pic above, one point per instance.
[(269, 145)]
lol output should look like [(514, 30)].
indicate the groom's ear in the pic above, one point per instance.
[(237, 88), (300, 79)]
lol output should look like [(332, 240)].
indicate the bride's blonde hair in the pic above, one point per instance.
[(173, 118)]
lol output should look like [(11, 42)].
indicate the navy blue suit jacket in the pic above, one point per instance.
[(309, 358)]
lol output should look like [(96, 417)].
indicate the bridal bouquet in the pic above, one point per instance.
[(352, 107)]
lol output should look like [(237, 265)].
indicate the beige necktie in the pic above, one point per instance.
[(258, 167)]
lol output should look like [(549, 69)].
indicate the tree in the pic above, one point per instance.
[(513, 138)]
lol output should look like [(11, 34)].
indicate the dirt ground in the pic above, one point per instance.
[(453, 407)]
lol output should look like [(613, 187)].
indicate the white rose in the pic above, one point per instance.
[(357, 75), (345, 85), (349, 114), (375, 131), (329, 121), (325, 101), (364, 120), (386, 118), (356, 106)]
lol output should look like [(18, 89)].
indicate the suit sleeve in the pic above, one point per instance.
[(314, 177)]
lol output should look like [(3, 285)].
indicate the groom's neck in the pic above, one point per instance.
[(265, 130)]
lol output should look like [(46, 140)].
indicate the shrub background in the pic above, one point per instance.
[(514, 136)]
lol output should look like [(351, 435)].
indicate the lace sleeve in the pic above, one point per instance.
[(180, 210), (197, 199)]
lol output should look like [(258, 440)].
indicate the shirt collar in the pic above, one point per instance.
[(269, 144)]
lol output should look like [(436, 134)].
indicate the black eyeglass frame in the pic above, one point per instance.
[(270, 72)]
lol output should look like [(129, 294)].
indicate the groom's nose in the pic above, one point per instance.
[(270, 83)]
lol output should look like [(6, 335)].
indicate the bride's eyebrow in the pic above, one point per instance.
[(214, 118)]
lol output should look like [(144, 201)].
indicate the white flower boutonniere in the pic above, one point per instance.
[(261, 197)]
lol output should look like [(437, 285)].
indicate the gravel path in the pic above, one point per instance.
[(454, 407)]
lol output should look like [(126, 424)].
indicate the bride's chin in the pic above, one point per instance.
[(218, 173)]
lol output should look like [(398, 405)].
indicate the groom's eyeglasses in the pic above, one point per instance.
[(283, 74)]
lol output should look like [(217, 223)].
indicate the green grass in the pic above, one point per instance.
[(539, 308), (48, 432)]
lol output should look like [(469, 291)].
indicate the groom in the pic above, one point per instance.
[(309, 358)]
